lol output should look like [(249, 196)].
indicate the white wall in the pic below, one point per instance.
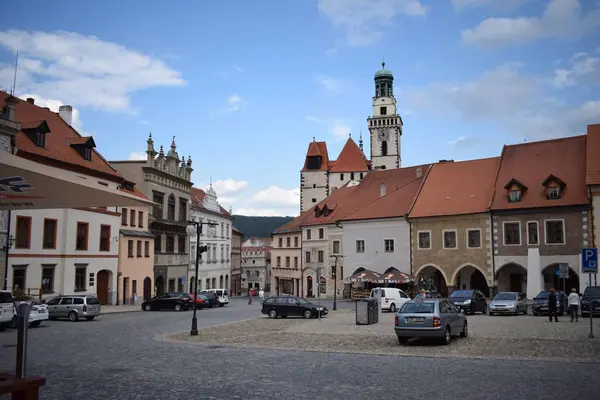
[(318, 178), (336, 181)]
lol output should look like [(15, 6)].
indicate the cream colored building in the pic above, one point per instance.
[(286, 257), (256, 264)]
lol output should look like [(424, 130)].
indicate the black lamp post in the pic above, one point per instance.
[(195, 229), (6, 247), (335, 257)]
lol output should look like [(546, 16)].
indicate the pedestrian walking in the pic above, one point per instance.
[(421, 295), (261, 294), (249, 296), (574, 305), (552, 306)]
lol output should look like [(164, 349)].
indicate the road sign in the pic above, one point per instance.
[(562, 271), (589, 261)]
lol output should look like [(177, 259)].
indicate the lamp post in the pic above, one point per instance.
[(6, 247), (335, 257), (194, 228)]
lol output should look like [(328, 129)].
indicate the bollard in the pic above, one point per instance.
[(23, 309)]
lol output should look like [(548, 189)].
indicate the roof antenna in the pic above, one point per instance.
[(12, 92)]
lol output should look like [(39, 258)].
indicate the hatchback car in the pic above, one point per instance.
[(430, 318), (508, 303), (177, 301), (469, 300), (74, 307), (590, 302), (291, 306), (540, 303)]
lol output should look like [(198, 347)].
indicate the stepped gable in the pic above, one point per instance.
[(531, 165), (455, 188), (351, 159)]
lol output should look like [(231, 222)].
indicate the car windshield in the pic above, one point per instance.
[(92, 301), (592, 291), (420, 307), (462, 293), (506, 296), (543, 295), (6, 297)]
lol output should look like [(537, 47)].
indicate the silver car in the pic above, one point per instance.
[(430, 318), (74, 307), (508, 303)]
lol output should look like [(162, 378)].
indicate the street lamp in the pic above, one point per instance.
[(194, 228), (335, 257)]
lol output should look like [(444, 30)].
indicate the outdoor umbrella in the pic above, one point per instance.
[(365, 276), (397, 277)]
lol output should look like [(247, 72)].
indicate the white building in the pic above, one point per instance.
[(256, 264), (214, 266), (320, 176)]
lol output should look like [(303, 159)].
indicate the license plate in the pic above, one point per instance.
[(416, 320), (596, 308)]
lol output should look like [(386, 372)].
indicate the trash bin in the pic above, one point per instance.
[(366, 311)]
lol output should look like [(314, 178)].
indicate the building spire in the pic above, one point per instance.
[(360, 141)]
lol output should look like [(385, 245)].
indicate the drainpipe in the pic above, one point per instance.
[(592, 243), (494, 287), (7, 250)]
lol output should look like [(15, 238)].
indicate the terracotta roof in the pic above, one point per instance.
[(401, 188), (592, 168), (313, 150), (340, 203), (134, 192), (532, 163), (454, 188), (56, 147), (351, 159), (317, 149), (80, 140), (197, 196)]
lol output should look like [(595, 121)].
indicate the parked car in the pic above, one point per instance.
[(6, 309), (222, 296), (291, 306), (540, 303), (74, 307), (211, 299), (37, 314), (590, 301), (177, 301), (430, 318), (200, 301), (469, 300), (391, 298), (508, 303)]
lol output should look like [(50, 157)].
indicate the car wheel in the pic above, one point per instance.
[(535, 314), (90, 318), (307, 314), (272, 314), (465, 331), (147, 307), (402, 340), (178, 307), (73, 317), (13, 323), (447, 336), (491, 314), (392, 307), (36, 323)]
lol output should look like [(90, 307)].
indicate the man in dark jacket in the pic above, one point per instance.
[(552, 307)]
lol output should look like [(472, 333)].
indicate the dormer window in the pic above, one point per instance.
[(515, 190), (40, 139), (83, 145), (554, 187), (553, 192), (514, 195), (36, 131), (87, 154)]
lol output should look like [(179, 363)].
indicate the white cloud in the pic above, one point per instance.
[(505, 98), (54, 105), (137, 156), (313, 119), (276, 196), (333, 85), (235, 103), (464, 142), (583, 69), (239, 69), (267, 212), (228, 186), (364, 21), (560, 18), (340, 130), (502, 5), (83, 70)]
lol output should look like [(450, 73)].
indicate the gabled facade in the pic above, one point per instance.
[(450, 225), (286, 259), (540, 215)]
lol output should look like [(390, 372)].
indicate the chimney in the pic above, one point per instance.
[(31, 100), (382, 190), (10, 108), (66, 113), (419, 172)]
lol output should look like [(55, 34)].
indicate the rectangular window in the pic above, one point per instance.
[(124, 216), (512, 233), (134, 287), (170, 247), (449, 239), (360, 246), (23, 230), (280, 242), (193, 247), (336, 247), (307, 256), (288, 242), (91, 279), (171, 208), (139, 248), (48, 278), (132, 218), (157, 210), (287, 262), (80, 275), (278, 261), (295, 262), (474, 238), (424, 240), (50, 230), (130, 248), (19, 278), (321, 233), (181, 244), (222, 252), (147, 248), (183, 210), (555, 232), (532, 233), (104, 237), (227, 253), (295, 241), (158, 244), (308, 234), (81, 242), (321, 256), (388, 245), (140, 220)]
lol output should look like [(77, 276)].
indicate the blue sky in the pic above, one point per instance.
[(245, 85)]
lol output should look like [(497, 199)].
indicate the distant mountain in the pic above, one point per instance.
[(258, 226)]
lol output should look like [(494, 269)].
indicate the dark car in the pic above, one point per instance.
[(540, 303), (590, 300), (177, 301), (212, 300), (291, 306), (469, 300)]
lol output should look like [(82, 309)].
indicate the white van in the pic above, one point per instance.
[(391, 299), (222, 296), (7, 309)]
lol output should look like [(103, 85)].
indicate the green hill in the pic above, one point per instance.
[(258, 226)]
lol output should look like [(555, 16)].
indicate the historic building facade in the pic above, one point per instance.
[(593, 182), (286, 258), (236, 261), (256, 264)]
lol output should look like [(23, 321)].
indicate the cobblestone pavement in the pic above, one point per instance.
[(116, 357), (520, 337)]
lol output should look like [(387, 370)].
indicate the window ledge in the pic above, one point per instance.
[(80, 290)]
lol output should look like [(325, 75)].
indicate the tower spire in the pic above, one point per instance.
[(360, 141)]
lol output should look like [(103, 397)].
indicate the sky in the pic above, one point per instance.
[(244, 86)]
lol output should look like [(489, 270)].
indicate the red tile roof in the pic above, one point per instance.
[(317, 149), (454, 188), (351, 159), (532, 163), (340, 203), (197, 196), (592, 168)]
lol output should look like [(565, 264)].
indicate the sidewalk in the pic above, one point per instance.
[(120, 309)]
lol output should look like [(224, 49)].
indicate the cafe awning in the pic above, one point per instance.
[(365, 276), (397, 277), (26, 184)]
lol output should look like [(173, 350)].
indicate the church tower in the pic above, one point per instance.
[(385, 125)]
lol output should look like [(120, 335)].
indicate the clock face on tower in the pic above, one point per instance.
[(382, 133)]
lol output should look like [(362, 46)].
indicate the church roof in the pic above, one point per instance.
[(351, 159), (317, 149), (383, 72)]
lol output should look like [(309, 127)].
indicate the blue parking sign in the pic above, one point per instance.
[(589, 261)]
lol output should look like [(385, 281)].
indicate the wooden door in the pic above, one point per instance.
[(147, 288), (102, 287)]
